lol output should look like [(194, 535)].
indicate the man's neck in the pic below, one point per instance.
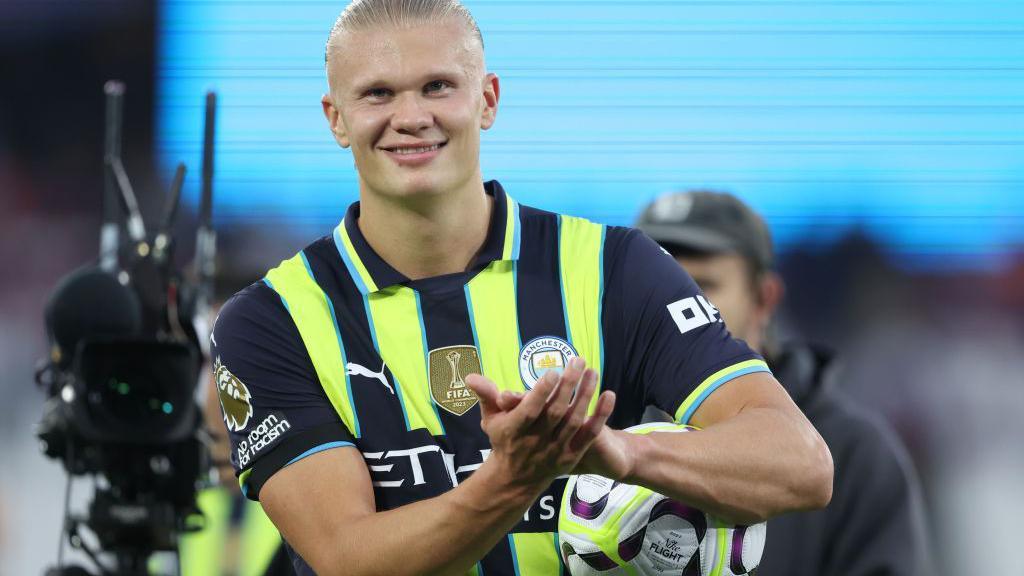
[(428, 237)]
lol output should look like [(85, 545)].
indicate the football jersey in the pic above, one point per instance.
[(334, 348)]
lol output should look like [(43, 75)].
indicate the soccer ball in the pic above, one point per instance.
[(609, 529)]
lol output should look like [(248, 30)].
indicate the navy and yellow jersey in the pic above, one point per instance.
[(335, 348)]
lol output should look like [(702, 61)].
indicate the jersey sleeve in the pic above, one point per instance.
[(274, 408), (677, 350)]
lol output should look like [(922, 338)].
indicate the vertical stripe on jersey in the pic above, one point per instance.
[(513, 230), (581, 262), (382, 403), (500, 561), (558, 554), (493, 314), (536, 554), (376, 346), (447, 323), (313, 314), (537, 278), (350, 257), (402, 344)]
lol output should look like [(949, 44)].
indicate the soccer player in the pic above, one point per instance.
[(407, 394), (874, 524)]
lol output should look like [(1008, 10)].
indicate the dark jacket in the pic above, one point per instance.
[(875, 524)]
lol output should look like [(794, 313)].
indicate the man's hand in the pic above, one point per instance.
[(547, 432), (609, 455)]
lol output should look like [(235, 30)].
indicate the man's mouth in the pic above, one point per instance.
[(409, 150)]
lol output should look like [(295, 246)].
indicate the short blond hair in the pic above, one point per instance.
[(365, 14)]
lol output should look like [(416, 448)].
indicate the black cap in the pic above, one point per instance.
[(708, 222)]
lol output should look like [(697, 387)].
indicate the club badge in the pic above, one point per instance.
[(448, 367), (541, 355)]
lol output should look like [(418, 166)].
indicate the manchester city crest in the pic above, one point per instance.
[(542, 355), (448, 367)]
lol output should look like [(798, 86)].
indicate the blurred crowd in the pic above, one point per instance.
[(938, 355)]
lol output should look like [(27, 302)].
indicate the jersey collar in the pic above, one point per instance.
[(372, 274)]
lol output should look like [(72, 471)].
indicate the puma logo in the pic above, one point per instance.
[(353, 369)]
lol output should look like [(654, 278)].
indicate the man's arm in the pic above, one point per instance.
[(324, 504), (757, 455), (324, 507)]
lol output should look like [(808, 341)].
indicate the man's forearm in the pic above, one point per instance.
[(444, 535), (533, 443), (757, 464)]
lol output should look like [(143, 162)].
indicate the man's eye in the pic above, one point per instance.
[(706, 285), (436, 86), (378, 93)]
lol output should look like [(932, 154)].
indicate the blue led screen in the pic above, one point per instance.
[(902, 119)]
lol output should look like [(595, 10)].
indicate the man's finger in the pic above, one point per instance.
[(577, 412), (508, 400), (533, 403), (592, 427), (486, 391), (559, 404)]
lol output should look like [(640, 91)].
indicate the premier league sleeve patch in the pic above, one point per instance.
[(542, 355), (235, 400)]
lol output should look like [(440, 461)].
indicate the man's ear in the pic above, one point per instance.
[(492, 93), (333, 116), (770, 291)]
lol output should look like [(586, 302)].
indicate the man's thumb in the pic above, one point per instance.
[(486, 391)]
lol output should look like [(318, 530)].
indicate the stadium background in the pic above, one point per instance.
[(881, 139)]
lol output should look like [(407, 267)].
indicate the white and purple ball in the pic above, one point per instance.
[(607, 528)]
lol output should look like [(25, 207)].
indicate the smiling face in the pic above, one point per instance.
[(411, 102)]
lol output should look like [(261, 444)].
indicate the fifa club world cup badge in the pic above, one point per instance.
[(234, 397), (542, 355), (448, 368)]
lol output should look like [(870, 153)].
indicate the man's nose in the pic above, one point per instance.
[(410, 114)]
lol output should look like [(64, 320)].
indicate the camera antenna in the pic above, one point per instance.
[(206, 238), (109, 230), (136, 228), (171, 210), (162, 241), (116, 183)]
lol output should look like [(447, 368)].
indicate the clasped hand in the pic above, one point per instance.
[(545, 433)]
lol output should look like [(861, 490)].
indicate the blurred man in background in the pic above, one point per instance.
[(875, 523)]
